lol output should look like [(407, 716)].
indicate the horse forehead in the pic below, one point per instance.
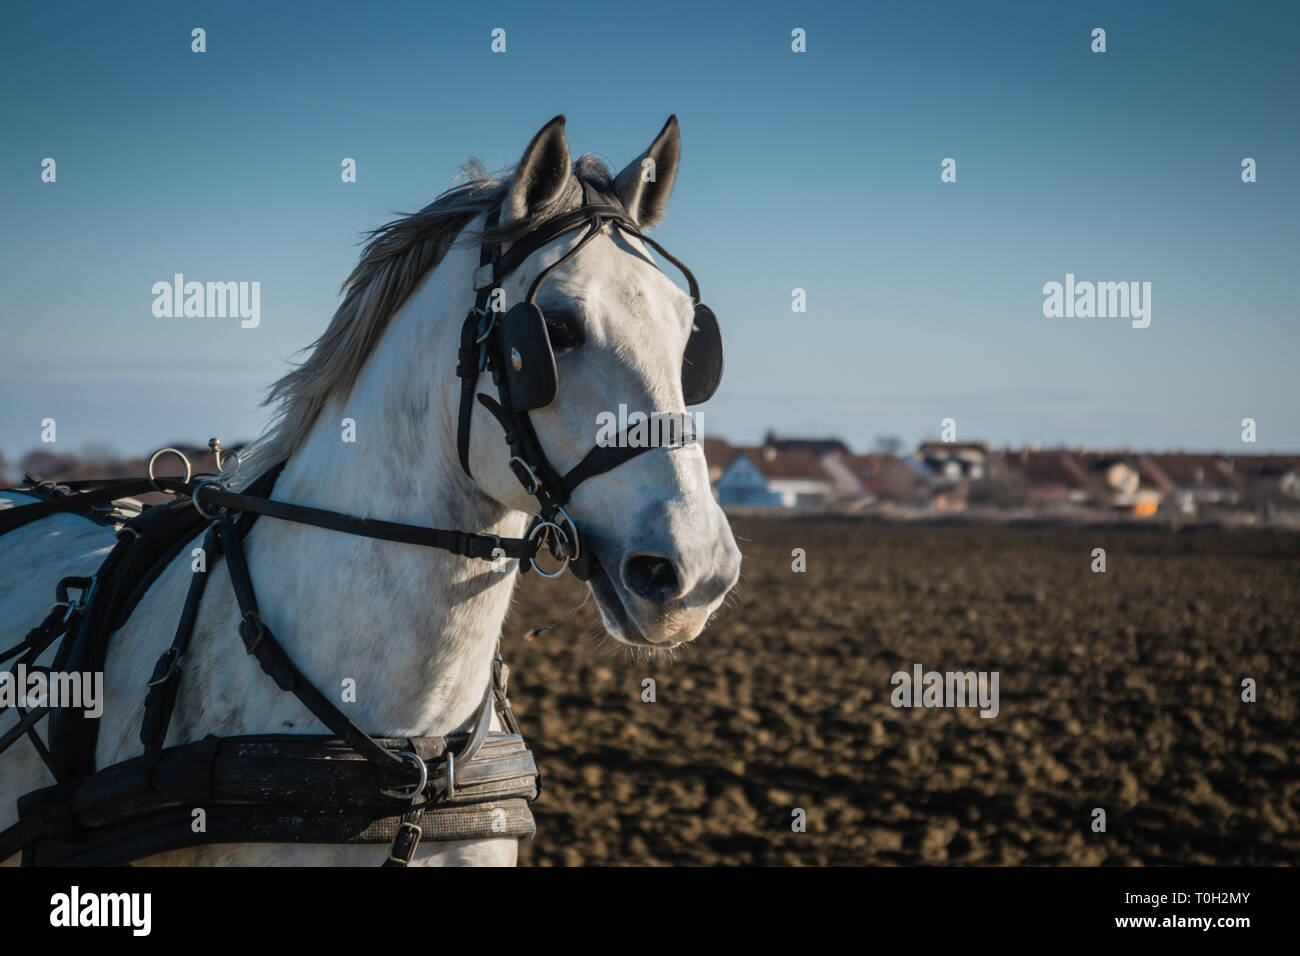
[(616, 285)]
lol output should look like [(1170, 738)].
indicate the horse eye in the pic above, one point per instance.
[(564, 330)]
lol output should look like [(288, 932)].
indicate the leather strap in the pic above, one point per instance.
[(406, 840), (261, 643), (599, 460), (16, 517), (464, 543), (62, 621), (549, 231), (164, 685), (469, 358)]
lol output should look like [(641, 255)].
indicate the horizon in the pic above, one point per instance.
[(101, 450)]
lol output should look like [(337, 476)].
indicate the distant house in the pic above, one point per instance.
[(772, 478), (1115, 480), (1267, 479), (880, 476), (1053, 475), (954, 461), (950, 468), (1192, 481)]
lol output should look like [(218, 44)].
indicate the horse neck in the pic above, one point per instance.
[(416, 627)]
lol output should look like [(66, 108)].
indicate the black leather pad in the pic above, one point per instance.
[(702, 363), (524, 343)]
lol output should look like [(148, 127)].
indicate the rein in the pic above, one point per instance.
[(209, 492)]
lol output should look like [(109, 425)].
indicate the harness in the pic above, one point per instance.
[(298, 788)]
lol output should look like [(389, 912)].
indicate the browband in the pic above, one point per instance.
[(492, 273)]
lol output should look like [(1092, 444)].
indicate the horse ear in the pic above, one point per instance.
[(543, 173), (643, 187)]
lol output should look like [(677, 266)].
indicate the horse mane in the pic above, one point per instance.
[(395, 258)]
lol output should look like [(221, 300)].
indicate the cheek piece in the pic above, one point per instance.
[(516, 349)]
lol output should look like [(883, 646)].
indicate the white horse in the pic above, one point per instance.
[(416, 628)]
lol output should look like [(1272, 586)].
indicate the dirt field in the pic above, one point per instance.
[(1118, 690)]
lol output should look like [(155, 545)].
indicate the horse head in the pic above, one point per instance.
[(628, 345)]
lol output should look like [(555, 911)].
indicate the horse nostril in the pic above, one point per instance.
[(651, 578)]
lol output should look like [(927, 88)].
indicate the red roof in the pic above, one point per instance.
[(798, 465), (1054, 467), (880, 473)]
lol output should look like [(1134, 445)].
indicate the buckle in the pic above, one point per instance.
[(65, 600), (251, 620), (199, 486), (174, 654), (528, 478), (487, 321), (419, 787), (404, 843)]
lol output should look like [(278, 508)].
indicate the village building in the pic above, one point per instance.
[(771, 478)]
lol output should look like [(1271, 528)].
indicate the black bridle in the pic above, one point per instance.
[(484, 347)]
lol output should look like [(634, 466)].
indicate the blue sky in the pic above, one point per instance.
[(818, 171)]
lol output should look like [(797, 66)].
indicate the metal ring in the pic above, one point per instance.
[(491, 316), (536, 482), (195, 498), (162, 451), (419, 787), (550, 524), (73, 606), (451, 775), (221, 465), (577, 546), (558, 530)]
